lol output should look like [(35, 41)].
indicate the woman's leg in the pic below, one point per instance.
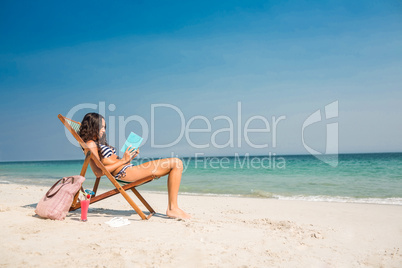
[(159, 168)]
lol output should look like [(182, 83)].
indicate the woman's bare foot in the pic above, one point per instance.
[(177, 213)]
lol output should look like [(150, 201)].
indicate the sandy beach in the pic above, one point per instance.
[(224, 232)]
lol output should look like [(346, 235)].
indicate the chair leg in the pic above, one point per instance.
[(139, 196), (86, 162), (131, 202), (95, 189), (76, 204)]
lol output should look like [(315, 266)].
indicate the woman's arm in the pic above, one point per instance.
[(94, 150), (111, 164)]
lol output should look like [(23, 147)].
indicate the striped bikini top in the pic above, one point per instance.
[(107, 151)]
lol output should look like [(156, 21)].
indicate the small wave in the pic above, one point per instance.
[(343, 199), (321, 198), (210, 194), (4, 182), (260, 193), (326, 198)]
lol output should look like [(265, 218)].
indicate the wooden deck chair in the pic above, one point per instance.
[(73, 127)]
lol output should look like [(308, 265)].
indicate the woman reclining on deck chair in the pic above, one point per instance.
[(92, 132)]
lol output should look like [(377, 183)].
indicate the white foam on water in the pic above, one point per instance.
[(318, 198), (343, 199)]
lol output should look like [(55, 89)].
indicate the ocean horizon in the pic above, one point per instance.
[(358, 177)]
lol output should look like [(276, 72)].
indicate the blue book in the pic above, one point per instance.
[(134, 140)]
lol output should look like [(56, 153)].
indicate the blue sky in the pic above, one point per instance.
[(275, 58)]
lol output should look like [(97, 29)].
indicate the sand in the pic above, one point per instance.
[(224, 232)]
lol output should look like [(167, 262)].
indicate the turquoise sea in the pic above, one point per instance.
[(363, 178)]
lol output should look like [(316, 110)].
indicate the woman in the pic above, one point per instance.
[(92, 132)]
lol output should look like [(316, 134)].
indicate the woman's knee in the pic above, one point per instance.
[(170, 164), (177, 163)]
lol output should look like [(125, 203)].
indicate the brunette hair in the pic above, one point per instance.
[(89, 130)]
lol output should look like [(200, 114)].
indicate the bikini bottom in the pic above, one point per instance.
[(122, 172)]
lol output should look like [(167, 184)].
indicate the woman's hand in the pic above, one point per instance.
[(129, 154), (136, 152)]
